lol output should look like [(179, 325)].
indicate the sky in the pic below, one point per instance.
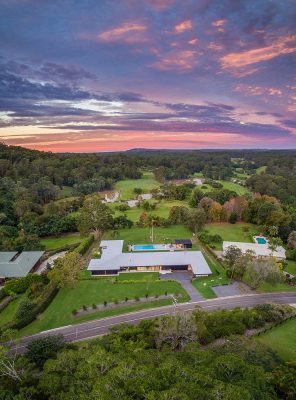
[(109, 75)]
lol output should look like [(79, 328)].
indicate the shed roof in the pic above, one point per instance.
[(183, 241), (21, 266)]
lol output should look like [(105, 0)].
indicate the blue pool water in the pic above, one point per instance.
[(261, 240), (143, 247)]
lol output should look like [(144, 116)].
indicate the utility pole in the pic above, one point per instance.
[(175, 303)]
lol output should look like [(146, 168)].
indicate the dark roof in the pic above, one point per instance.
[(183, 241)]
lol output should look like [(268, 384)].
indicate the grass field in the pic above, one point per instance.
[(282, 339), (126, 187), (162, 209), (137, 235), (60, 242), (279, 287), (261, 169), (8, 313), (231, 232), (87, 292), (239, 189), (291, 267)]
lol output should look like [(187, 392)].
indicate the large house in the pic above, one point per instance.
[(18, 265), (259, 250), (113, 260)]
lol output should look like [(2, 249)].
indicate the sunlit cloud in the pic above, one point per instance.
[(128, 32), (179, 61), (219, 24), (254, 90), (236, 61), (183, 26)]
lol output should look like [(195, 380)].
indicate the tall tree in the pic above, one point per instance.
[(94, 217), (66, 270)]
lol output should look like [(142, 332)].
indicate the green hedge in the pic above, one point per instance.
[(40, 307), (20, 285), (3, 294), (85, 245)]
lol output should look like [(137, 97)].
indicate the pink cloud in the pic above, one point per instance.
[(128, 32), (160, 5), (238, 61), (215, 46), (177, 60), (193, 41), (257, 90), (183, 26), (219, 24)]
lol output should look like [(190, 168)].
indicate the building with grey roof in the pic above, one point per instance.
[(259, 250), (17, 265), (113, 261)]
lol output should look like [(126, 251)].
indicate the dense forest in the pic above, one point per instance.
[(32, 181)]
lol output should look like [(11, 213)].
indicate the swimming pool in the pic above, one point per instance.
[(260, 240), (149, 247)]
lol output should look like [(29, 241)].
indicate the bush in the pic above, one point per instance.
[(137, 298), (84, 307), (3, 294), (40, 350), (126, 299), (115, 301), (105, 303), (85, 245), (74, 312), (20, 285), (233, 218), (25, 309), (94, 306)]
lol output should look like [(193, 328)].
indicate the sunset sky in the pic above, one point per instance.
[(100, 75)]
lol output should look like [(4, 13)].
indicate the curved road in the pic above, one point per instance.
[(87, 330)]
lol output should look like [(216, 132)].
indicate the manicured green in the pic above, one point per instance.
[(162, 209), (279, 287), (126, 187), (232, 232), (88, 292), (291, 267), (138, 276), (61, 242), (282, 339), (8, 313), (261, 169), (239, 189), (137, 235)]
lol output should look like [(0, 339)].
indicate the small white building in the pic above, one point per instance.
[(260, 250)]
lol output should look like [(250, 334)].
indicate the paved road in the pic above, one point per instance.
[(101, 327)]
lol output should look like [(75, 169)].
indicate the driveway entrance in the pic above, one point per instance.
[(184, 277)]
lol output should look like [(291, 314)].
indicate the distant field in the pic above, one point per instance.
[(60, 242), (282, 339), (261, 169), (232, 232), (239, 189), (126, 187), (162, 209), (8, 313), (137, 235), (87, 292)]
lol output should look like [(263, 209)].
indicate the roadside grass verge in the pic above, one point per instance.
[(96, 291), (8, 313)]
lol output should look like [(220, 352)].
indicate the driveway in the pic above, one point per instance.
[(184, 277), (234, 289)]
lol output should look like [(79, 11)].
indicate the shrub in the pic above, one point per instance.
[(3, 294), (74, 312), (25, 309), (84, 307), (126, 299), (94, 306), (146, 295), (137, 298), (115, 301), (165, 293), (105, 303), (156, 296), (40, 350), (233, 218), (20, 285), (85, 245)]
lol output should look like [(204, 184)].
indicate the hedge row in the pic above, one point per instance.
[(3, 294), (85, 245), (5, 302), (42, 306)]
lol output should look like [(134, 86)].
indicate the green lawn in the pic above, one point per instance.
[(291, 267), (87, 292), (60, 242), (162, 209), (126, 187), (282, 339), (239, 189), (231, 232), (218, 277), (279, 287), (138, 276), (8, 313), (137, 235), (261, 169)]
